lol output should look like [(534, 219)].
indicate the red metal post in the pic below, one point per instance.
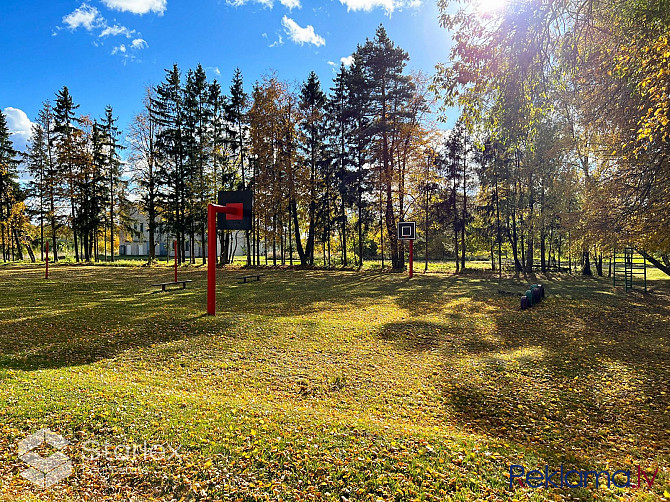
[(235, 210), (175, 261), (46, 270), (211, 259), (411, 259)]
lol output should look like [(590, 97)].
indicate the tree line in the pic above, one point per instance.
[(330, 170), (524, 174), (570, 102)]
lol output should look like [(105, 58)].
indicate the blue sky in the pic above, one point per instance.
[(107, 51)]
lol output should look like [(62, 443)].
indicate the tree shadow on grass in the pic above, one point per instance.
[(414, 335), (84, 315), (581, 381)]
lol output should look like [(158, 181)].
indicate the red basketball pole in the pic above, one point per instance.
[(232, 212), (46, 271), (411, 258), (175, 261)]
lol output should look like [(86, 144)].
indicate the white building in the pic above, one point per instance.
[(136, 243)]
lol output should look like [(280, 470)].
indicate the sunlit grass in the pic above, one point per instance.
[(316, 385)]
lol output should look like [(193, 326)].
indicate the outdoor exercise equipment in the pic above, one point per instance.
[(407, 232), (244, 278), (233, 212), (630, 263), (176, 281), (532, 296)]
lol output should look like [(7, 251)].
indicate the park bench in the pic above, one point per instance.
[(245, 277), (164, 284)]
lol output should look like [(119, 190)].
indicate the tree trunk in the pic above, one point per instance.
[(586, 268), (663, 268), (296, 230), (515, 245), (543, 250), (344, 235), (425, 229), (290, 238), (543, 237), (531, 226), (41, 226), (30, 253), (17, 239), (274, 239), (599, 264), (493, 259), (464, 216), (360, 228), (498, 236)]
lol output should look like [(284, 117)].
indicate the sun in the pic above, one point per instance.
[(490, 6)]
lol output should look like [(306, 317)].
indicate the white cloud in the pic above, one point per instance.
[(239, 3), (91, 19), (214, 69), (388, 5), (86, 16), (278, 42), (332, 63), (291, 4), (301, 35), (137, 6), (116, 30), (347, 61), (128, 53), (19, 125), (139, 43)]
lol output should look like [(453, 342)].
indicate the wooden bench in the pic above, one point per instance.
[(164, 284), (245, 277)]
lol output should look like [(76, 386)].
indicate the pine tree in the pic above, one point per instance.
[(87, 145), (338, 130), (312, 103), (8, 186), (168, 111), (64, 127), (36, 159), (236, 118), (198, 144), (111, 169), (52, 176), (357, 113), (223, 173), (383, 64)]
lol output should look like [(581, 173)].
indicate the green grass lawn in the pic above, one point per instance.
[(313, 385)]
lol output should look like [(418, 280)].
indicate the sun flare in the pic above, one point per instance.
[(490, 6)]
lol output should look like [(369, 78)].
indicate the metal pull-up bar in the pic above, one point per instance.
[(233, 211)]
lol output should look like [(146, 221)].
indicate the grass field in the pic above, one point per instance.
[(314, 385)]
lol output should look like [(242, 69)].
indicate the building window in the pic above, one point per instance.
[(141, 227)]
